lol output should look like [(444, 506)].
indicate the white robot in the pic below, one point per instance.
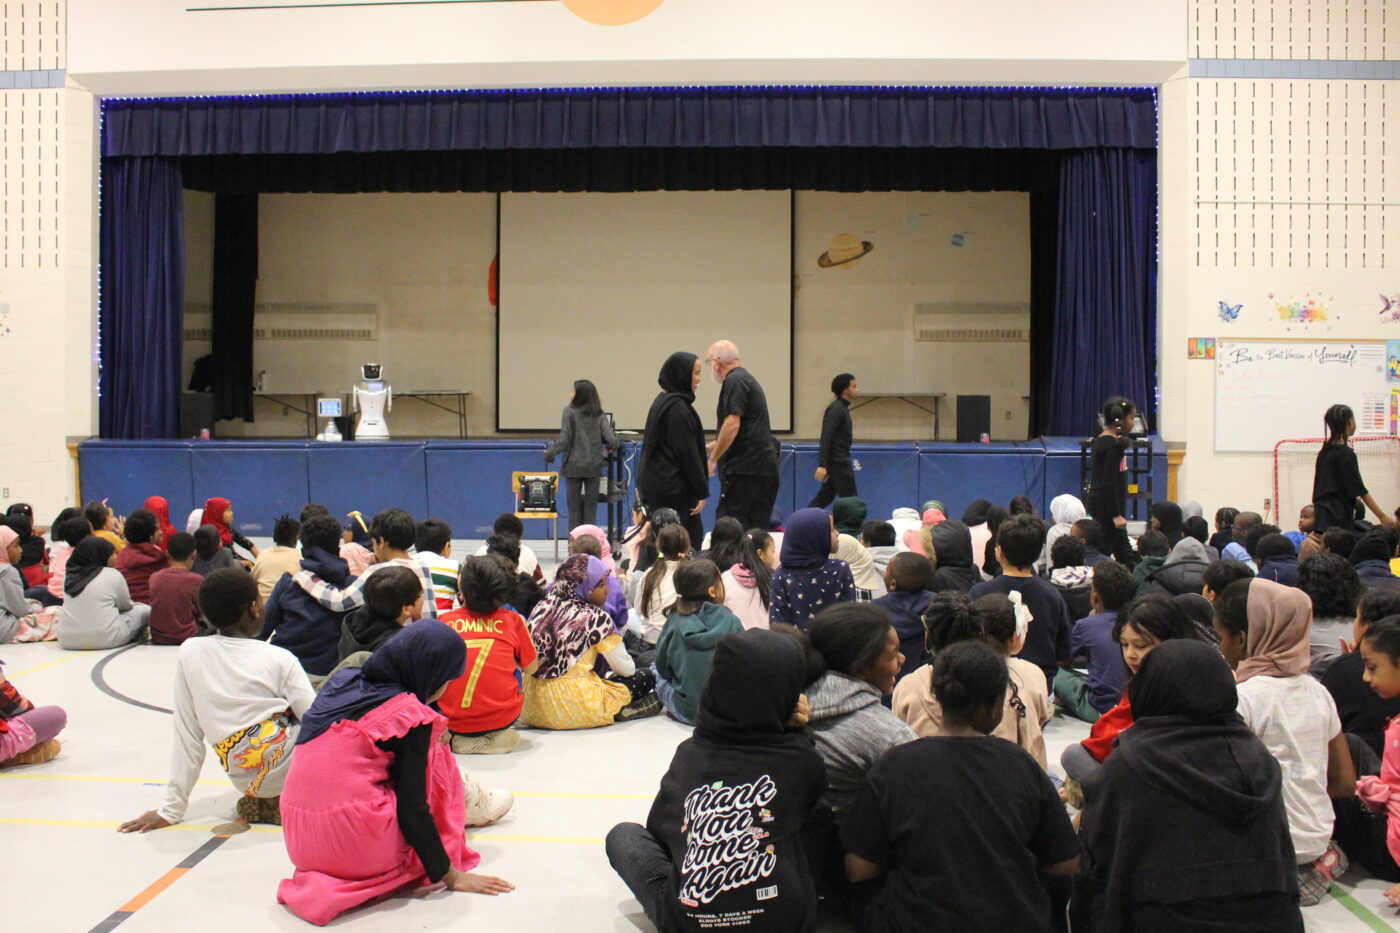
[(371, 398)]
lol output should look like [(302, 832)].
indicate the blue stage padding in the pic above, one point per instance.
[(263, 480), (887, 478), (368, 477), (957, 474), (469, 482), (126, 473)]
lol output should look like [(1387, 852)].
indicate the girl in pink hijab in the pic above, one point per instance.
[(18, 619), (1263, 628)]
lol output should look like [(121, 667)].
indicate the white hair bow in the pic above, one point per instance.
[(1024, 616)]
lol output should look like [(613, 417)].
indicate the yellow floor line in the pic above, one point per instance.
[(39, 667), (564, 795)]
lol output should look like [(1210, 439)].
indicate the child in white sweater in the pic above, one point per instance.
[(243, 697)]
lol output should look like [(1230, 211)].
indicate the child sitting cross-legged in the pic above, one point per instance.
[(695, 623), (210, 553), (374, 803), (571, 631), (175, 594), (724, 836), (282, 558), (143, 556), (509, 552), (393, 598), (1071, 576), (239, 695), (296, 620), (1089, 696), (658, 586), (433, 542), (481, 704), (27, 731), (19, 621), (908, 580), (98, 611), (937, 817)]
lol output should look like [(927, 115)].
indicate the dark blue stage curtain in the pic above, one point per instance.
[(977, 118), (142, 297), (1103, 335), (1101, 141)]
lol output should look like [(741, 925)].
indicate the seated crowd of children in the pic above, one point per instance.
[(868, 700)]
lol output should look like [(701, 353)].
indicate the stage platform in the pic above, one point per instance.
[(467, 483)]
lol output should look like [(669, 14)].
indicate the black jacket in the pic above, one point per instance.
[(835, 450), (672, 469), (952, 548), (362, 630)]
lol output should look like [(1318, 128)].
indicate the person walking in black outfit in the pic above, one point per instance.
[(1108, 491), (672, 472), (834, 468), (743, 452)]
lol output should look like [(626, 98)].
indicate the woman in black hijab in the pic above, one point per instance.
[(672, 472), (1184, 825)]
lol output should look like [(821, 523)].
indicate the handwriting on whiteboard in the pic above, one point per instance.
[(1322, 356)]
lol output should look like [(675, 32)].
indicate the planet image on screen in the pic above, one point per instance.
[(845, 250), (611, 12)]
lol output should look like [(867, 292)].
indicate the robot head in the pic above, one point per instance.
[(371, 371)]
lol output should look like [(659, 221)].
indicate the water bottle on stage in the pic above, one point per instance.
[(371, 398)]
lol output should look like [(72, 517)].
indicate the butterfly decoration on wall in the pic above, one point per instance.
[(1230, 313), (1390, 309)]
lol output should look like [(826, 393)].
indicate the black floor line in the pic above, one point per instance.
[(101, 684)]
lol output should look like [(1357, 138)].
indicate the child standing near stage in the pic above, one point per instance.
[(282, 558), (695, 623), (243, 697), (175, 594), (433, 542), (481, 704)]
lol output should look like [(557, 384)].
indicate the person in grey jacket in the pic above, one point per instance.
[(97, 607), (583, 434), (854, 651)]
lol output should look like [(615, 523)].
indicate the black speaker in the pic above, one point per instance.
[(196, 413), (974, 418)]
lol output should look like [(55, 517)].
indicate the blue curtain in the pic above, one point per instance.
[(142, 298), (1103, 338), (627, 118)]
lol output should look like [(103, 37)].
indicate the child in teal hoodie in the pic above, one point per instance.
[(694, 625)]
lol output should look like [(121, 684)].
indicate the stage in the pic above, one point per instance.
[(467, 483)]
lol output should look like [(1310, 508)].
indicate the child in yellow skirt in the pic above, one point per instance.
[(571, 631)]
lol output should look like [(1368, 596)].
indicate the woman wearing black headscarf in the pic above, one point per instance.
[(1185, 824), (672, 472), (722, 836)]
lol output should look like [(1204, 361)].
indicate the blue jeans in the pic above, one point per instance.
[(666, 693)]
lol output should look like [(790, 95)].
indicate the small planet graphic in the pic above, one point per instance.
[(845, 250)]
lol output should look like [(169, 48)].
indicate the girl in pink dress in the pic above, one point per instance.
[(373, 801)]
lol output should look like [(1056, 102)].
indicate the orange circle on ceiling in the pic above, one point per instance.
[(611, 12)]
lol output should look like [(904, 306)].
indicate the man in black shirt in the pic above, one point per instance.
[(743, 452), (834, 469)]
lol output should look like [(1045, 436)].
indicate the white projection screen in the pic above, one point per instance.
[(606, 286)]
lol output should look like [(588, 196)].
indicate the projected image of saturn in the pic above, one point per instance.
[(844, 252)]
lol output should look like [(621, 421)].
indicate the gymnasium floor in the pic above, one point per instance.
[(69, 870)]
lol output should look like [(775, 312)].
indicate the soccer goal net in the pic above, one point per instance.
[(1378, 457)]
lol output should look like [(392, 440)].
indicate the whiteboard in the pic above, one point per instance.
[(1267, 391), (606, 286)]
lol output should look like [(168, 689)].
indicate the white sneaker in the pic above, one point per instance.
[(486, 806)]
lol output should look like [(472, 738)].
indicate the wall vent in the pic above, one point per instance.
[(970, 334), (300, 321)]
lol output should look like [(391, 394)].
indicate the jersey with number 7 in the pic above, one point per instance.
[(488, 695)]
